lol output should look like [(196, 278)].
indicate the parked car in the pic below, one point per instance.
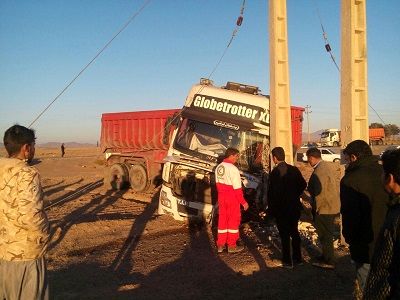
[(327, 154), (391, 147), (309, 145)]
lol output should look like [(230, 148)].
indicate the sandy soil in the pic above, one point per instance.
[(113, 245)]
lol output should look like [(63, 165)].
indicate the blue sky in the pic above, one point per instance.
[(168, 47)]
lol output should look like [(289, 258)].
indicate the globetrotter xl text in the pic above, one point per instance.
[(224, 106)]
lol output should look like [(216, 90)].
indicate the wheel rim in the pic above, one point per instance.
[(138, 178)]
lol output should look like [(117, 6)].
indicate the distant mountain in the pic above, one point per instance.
[(58, 145), (67, 145)]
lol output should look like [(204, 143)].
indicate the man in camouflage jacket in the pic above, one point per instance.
[(24, 228)]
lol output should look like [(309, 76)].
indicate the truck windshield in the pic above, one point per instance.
[(325, 134), (208, 141)]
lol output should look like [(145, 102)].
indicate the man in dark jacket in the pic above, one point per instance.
[(363, 205), (384, 277), (285, 186)]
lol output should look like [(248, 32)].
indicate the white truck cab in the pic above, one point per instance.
[(212, 120), (330, 138)]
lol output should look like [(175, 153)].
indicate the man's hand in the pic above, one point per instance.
[(246, 206)]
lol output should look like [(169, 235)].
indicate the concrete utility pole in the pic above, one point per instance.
[(281, 125), (354, 84), (308, 112)]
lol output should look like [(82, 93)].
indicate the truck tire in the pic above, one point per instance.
[(336, 160), (118, 176), (138, 178)]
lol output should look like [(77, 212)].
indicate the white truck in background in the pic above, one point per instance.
[(330, 138)]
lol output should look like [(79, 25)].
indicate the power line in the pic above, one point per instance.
[(235, 31), (327, 45), (329, 50), (377, 114), (93, 59)]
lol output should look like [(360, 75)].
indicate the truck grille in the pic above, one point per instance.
[(193, 185), (187, 210)]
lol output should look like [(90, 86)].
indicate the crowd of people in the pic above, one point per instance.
[(367, 197)]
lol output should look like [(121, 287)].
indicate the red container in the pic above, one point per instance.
[(297, 124), (143, 130), (376, 133), (134, 131)]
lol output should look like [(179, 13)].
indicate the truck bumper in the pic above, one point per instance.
[(179, 208)]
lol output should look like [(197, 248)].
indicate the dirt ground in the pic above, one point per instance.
[(113, 245)]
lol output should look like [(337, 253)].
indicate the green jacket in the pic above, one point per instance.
[(323, 187)]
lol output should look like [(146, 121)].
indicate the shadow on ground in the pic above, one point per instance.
[(198, 273)]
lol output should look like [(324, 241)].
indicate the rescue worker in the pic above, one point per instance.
[(230, 197)]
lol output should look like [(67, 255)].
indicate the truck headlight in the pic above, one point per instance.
[(166, 171)]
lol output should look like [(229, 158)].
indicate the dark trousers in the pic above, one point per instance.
[(290, 236), (325, 226)]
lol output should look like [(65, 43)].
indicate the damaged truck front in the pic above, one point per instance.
[(212, 120)]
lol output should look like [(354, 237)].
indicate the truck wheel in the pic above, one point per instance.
[(118, 176), (138, 178), (336, 160)]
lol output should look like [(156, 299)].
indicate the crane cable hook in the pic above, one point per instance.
[(240, 18), (239, 22)]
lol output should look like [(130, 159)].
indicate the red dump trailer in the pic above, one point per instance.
[(376, 136), (135, 144), (296, 113)]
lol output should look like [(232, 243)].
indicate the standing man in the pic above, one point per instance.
[(363, 206), (24, 228), (230, 197), (323, 187), (384, 276), (62, 150), (285, 186)]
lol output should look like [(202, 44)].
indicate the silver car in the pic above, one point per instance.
[(327, 154)]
